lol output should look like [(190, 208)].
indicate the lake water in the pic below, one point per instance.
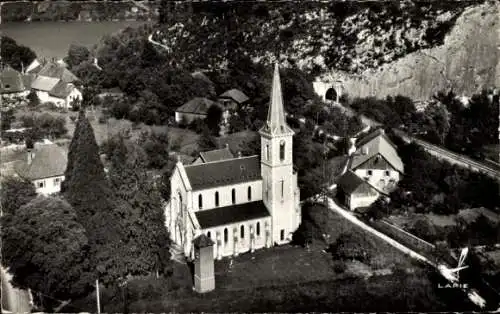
[(52, 39)]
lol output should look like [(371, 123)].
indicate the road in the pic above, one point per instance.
[(471, 293), (13, 300)]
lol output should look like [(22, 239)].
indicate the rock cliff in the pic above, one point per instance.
[(468, 61)]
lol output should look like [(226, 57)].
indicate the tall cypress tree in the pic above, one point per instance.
[(87, 189)]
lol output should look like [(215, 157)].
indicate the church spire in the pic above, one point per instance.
[(276, 122)]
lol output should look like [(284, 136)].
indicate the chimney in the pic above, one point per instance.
[(30, 155), (352, 147), (227, 146), (178, 157), (364, 150), (239, 154)]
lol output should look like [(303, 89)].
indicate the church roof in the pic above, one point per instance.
[(231, 214), (216, 155), (224, 172), (276, 123), (236, 95)]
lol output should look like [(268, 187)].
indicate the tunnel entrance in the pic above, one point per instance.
[(331, 94)]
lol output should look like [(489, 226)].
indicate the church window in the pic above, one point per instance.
[(249, 193), (282, 234), (233, 195), (242, 232), (282, 150), (225, 235), (209, 234), (282, 189), (258, 228), (267, 152), (217, 199), (200, 201)]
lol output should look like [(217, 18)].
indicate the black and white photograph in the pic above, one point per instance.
[(231, 156)]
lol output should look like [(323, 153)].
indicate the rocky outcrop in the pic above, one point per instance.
[(468, 61)]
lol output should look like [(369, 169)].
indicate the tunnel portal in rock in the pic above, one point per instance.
[(331, 94)]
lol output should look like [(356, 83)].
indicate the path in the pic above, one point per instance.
[(13, 300), (471, 293)]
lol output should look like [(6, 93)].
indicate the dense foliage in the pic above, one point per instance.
[(303, 32), (15, 193), (17, 56), (45, 125), (46, 249), (140, 210), (430, 185)]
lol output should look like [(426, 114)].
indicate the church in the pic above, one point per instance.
[(241, 203)]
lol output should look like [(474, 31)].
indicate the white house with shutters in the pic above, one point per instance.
[(241, 203)]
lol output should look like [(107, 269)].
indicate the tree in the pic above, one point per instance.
[(15, 193), (142, 211), (87, 189), (46, 249), (354, 245), (76, 55), (155, 144), (206, 141), (7, 117), (33, 99), (214, 119), (17, 56)]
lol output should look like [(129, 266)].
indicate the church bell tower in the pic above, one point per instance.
[(277, 166)]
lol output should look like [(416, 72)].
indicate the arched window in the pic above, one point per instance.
[(233, 195), (200, 201), (249, 193), (209, 234), (282, 150), (242, 232), (216, 199), (225, 235), (258, 228), (267, 152)]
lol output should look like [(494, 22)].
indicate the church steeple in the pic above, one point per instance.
[(276, 122)]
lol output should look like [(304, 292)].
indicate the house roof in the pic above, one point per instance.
[(44, 83), (197, 105), (231, 214), (376, 143), (216, 155), (202, 241), (62, 89), (202, 76), (350, 183), (11, 81), (49, 161), (55, 70), (224, 172), (236, 95), (28, 80)]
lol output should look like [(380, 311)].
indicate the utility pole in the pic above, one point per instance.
[(97, 296)]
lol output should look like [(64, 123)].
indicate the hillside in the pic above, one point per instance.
[(16, 11), (468, 61), (377, 48)]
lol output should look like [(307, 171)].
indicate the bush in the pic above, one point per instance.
[(354, 245), (72, 118), (339, 267)]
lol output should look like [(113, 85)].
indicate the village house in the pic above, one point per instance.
[(374, 168), (233, 99), (53, 82), (196, 108), (13, 83), (44, 165), (242, 203), (214, 155)]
